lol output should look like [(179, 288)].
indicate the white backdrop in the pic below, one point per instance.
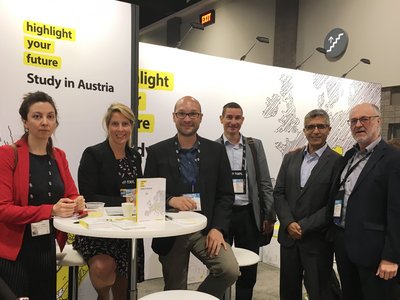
[(274, 100), (95, 52), (100, 53)]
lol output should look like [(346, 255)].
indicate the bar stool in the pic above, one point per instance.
[(73, 260), (244, 258), (179, 295)]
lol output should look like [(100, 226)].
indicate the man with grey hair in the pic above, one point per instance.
[(301, 196), (366, 211)]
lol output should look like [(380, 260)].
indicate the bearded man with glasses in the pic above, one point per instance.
[(301, 196), (365, 208)]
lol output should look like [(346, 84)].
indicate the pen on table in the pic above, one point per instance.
[(168, 217), (108, 219), (83, 214)]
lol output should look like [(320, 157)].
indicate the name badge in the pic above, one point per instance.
[(196, 198), (129, 194), (239, 181), (337, 209), (40, 228)]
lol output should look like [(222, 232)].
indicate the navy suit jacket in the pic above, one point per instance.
[(372, 230), (305, 206), (214, 183)]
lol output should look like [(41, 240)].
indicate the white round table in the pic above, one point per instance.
[(179, 223)]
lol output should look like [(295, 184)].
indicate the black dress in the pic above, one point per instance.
[(33, 273), (119, 249)]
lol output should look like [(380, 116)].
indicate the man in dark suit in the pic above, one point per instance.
[(252, 216), (301, 196), (198, 178), (366, 211)]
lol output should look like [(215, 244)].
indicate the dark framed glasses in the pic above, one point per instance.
[(363, 120), (191, 115), (312, 127)]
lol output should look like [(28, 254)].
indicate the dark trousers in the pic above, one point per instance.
[(33, 273), (360, 283), (313, 263), (244, 233)]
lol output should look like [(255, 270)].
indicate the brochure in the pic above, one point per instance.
[(150, 199)]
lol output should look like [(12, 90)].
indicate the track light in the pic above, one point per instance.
[(319, 49), (260, 39), (193, 25), (362, 60)]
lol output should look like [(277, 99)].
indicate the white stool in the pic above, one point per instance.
[(72, 259), (179, 295), (244, 258)]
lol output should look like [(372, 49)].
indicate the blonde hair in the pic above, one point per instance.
[(122, 109)]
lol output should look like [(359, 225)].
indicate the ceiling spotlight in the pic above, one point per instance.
[(261, 39), (362, 60), (319, 49), (193, 25)]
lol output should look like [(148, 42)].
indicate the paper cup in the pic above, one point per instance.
[(95, 209), (128, 209)]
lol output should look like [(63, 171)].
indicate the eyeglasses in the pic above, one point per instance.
[(191, 115), (363, 120), (312, 127)]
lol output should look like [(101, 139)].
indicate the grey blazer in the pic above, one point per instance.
[(267, 189)]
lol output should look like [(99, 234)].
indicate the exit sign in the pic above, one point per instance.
[(207, 18)]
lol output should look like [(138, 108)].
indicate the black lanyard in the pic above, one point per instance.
[(178, 148), (350, 170), (244, 152), (197, 159)]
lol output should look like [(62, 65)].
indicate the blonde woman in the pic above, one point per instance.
[(107, 173)]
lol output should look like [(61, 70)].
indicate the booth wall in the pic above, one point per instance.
[(95, 52), (274, 101)]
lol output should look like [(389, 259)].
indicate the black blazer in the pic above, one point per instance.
[(372, 230), (306, 206), (98, 178), (214, 183)]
